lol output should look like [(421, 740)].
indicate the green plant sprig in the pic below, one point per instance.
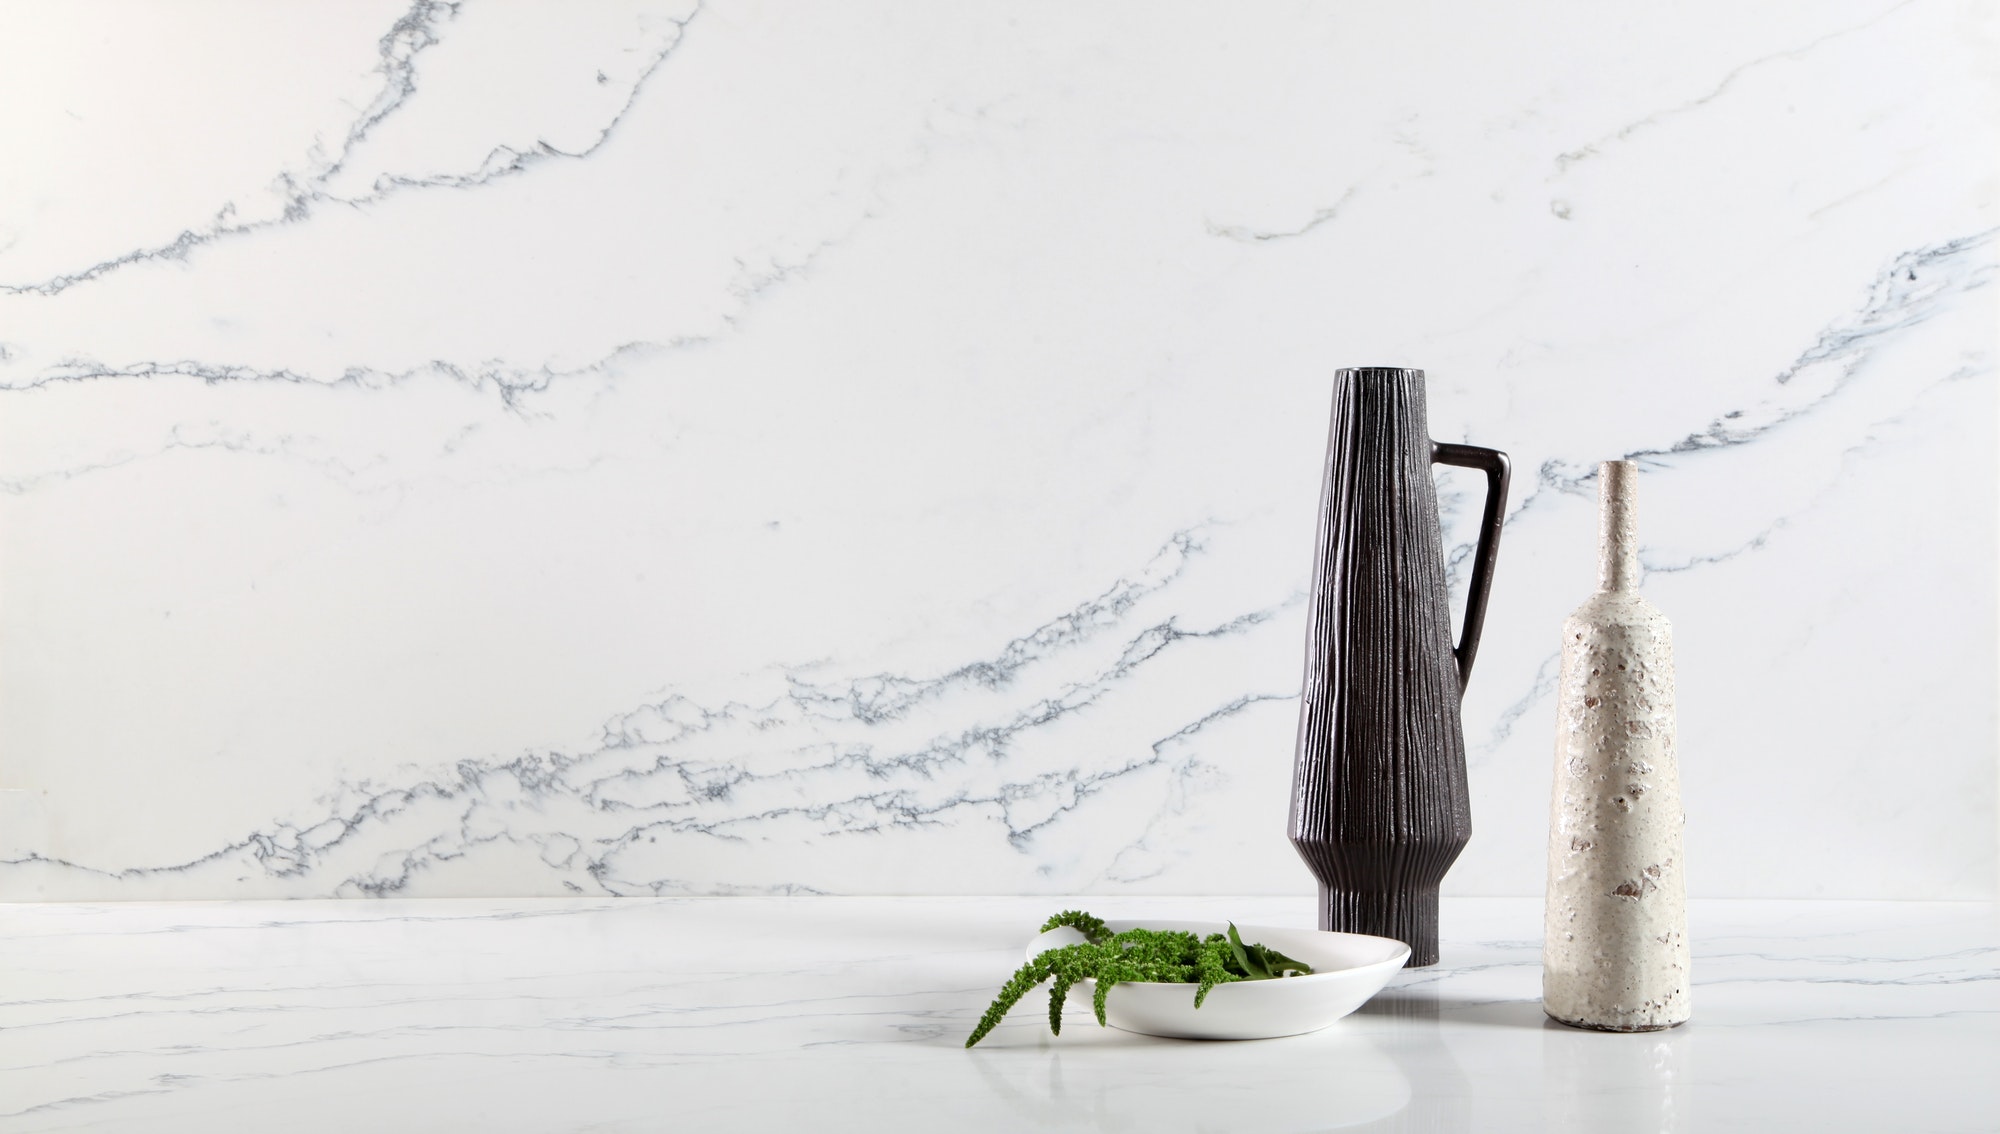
[(1169, 956)]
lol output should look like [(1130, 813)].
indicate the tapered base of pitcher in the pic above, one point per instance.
[(1408, 915)]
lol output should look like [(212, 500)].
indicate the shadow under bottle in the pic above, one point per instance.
[(1379, 805)]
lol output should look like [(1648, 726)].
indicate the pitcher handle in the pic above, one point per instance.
[(1494, 464)]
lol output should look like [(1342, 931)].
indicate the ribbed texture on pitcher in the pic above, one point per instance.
[(1379, 808)]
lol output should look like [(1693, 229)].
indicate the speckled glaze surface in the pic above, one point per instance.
[(1615, 948)]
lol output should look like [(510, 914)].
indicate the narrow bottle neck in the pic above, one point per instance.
[(1617, 542)]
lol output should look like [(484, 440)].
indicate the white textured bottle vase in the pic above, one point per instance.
[(1615, 948)]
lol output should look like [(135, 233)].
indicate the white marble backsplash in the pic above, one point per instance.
[(722, 447)]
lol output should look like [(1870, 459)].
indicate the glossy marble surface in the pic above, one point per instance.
[(849, 1014), (744, 446)]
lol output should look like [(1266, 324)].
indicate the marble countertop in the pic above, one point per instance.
[(849, 1014)]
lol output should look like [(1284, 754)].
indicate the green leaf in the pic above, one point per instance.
[(1276, 964), (1244, 964)]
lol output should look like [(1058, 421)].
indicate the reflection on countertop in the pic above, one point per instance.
[(849, 1014)]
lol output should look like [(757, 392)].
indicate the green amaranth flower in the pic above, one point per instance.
[(1169, 956)]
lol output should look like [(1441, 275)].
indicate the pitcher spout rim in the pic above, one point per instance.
[(1378, 372)]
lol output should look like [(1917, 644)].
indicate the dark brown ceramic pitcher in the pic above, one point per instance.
[(1379, 807)]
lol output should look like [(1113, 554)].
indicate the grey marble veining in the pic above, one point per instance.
[(820, 757)]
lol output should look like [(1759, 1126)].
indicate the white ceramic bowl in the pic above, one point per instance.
[(1348, 968)]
